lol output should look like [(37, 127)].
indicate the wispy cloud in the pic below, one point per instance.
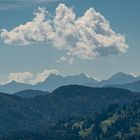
[(66, 59), (6, 5)]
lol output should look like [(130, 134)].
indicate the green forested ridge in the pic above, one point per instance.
[(95, 113), (116, 123)]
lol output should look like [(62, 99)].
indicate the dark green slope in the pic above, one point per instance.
[(41, 111), (30, 93), (18, 114), (116, 123)]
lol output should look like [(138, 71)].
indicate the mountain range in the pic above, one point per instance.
[(134, 86), (120, 80), (51, 83)]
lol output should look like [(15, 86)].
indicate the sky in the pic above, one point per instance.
[(95, 37)]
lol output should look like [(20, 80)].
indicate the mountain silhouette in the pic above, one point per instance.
[(54, 81)]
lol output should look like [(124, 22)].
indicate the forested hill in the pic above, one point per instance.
[(41, 112), (117, 123)]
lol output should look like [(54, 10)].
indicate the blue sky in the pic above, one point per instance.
[(123, 17)]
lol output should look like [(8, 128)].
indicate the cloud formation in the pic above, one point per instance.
[(86, 37), (21, 77), (29, 77), (40, 77), (66, 59)]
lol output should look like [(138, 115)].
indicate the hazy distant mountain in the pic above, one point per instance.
[(65, 102), (30, 93), (135, 86), (121, 78), (117, 79), (51, 83), (13, 87), (55, 81)]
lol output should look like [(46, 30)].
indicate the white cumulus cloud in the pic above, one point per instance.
[(21, 77), (86, 37), (29, 77), (40, 77)]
